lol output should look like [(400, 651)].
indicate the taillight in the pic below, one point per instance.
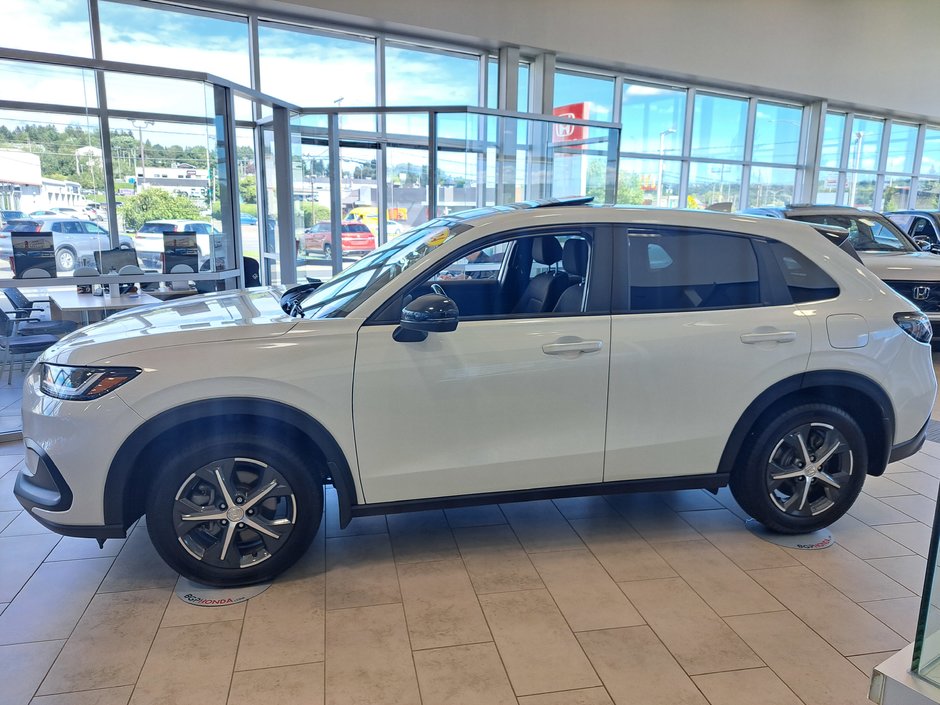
[(916, 325)]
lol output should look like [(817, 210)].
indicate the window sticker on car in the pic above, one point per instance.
[(440, 238)]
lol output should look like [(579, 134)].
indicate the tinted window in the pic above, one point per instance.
[(923, 228), (680, 271), (805, 281), (22, 226)]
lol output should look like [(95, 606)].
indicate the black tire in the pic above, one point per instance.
[(188, 485), (327, 250), (789, 452), (65, 259)]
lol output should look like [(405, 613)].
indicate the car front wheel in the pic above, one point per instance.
[(804, 469), (234, 512)]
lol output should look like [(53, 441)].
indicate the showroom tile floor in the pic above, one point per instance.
[(659, 598)]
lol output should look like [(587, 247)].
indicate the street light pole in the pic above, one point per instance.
[(859, 136), (140, 125), (662, 151)]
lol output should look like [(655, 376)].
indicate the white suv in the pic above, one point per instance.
[(614, 350)]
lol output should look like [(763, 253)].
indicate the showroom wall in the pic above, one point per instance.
[(868, 54)]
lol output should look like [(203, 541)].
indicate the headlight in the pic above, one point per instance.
[(83, 383), (916, 325)]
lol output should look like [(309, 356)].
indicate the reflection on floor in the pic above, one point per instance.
[(658, 598)]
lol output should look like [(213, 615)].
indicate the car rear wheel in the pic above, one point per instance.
[(327, 250), (804, 469), (65, 259), (235, 512)]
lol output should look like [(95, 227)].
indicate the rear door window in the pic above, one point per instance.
[(683, 270)]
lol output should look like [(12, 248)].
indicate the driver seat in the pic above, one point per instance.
[(543, 290)]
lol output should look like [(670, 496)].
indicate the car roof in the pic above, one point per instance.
[(479, 222)]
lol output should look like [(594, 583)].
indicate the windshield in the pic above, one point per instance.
[(867, 233), (348, 289)]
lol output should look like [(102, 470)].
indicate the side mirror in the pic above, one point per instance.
[(431, 313)]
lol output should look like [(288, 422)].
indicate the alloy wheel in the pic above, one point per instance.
[(809, 469), (234, 513)]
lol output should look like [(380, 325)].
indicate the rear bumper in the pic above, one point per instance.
[(908, 448)]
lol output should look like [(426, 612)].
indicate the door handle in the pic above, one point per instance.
[(777, 336), (578, 346)]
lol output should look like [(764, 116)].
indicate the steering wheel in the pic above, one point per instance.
[(438, 289)]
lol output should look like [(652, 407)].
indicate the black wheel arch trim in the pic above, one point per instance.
[(125, 463), (807, 382)]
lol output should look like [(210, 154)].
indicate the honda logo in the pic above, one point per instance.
[(921, 293)]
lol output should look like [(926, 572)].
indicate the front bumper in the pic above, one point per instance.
[(40, 486)]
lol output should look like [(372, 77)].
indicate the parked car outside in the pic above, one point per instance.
[(69, 212), (370, 216), (922, 226), (95, 211), (44, 213), (149, 240), (76, 241), (8, 215), (248, 219), (884, 249), (357, 239), (617, 350)]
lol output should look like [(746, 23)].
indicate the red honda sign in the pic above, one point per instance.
[(571, 133)]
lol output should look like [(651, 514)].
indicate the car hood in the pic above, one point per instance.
[(193, 320), (903, 266)]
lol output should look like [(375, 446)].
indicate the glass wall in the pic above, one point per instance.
[(928, 182), (681, 145), (60, 28), (311, 67), (875, 163), (172, 37)]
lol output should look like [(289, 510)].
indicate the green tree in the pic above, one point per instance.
[(156, 204), (313, 213), (248, 189)]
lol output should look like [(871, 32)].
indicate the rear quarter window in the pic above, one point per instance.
[(804, 279)]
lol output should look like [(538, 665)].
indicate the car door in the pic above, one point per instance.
[(506, 401), (98, 238), (695, 338)]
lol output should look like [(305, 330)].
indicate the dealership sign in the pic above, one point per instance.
[(813, 541), (571, 133), (200, 595)]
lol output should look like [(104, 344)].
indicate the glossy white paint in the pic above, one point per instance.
[(480, 409), (847, 330), (483, 408), (679, 382)]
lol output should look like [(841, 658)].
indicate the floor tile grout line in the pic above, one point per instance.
[(814, 630), (156, 633), (544, 587), (38, 565)]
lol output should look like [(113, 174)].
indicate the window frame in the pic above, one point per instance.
[(772, 288), (597, 280)]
